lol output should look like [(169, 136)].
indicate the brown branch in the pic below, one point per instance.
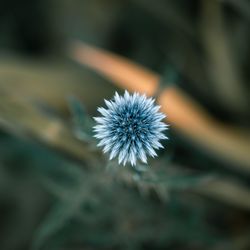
[(20, 118)]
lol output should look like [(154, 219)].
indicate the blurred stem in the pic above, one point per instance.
[(242, 6), (224, 72), (184, 114), (227, 191), (168, 14)]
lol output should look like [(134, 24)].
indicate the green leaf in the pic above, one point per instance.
[(81, 121)]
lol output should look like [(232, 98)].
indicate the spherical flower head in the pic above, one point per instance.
[(130, 127)]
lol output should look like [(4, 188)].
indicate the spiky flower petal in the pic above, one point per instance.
[(130, 128)]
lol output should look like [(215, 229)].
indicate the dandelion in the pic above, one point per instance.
[(130, 128)]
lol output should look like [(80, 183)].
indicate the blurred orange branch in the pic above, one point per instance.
[(184, 114)]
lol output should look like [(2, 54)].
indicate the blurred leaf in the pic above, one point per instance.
[(83, 124), (179, 182)]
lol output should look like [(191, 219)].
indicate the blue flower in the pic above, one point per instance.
[(130, 128)]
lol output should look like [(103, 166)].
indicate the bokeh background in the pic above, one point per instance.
[(58, 191)]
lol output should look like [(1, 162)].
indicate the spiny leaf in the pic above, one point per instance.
[(81, 120)]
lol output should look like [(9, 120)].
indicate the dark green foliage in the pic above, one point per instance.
[(102, 208), (54, 199)]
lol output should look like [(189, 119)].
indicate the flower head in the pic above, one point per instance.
[(130, 128)]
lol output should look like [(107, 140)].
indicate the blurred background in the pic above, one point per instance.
[(58, 191)]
